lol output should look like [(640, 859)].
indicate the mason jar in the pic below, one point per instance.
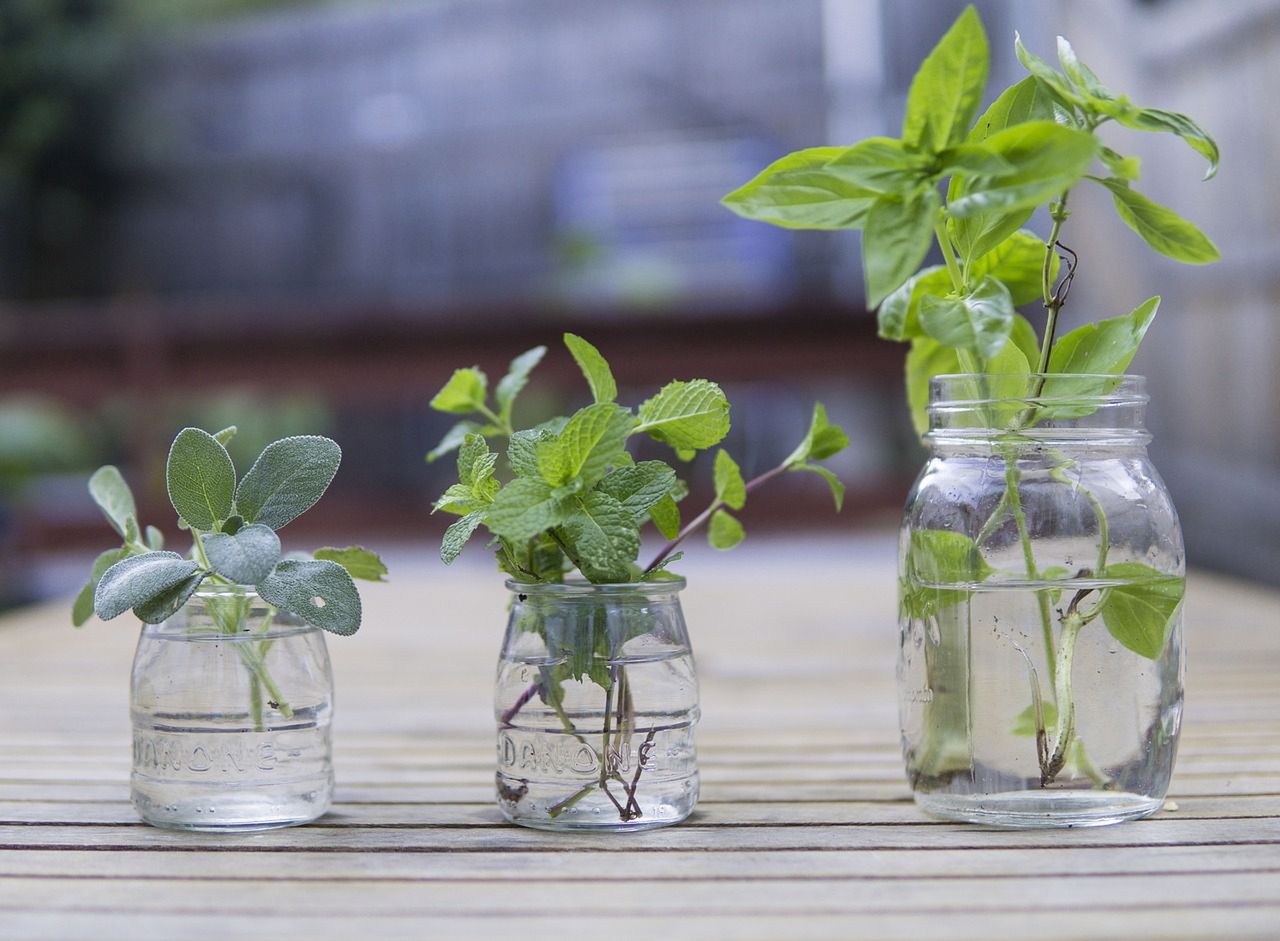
[(596, 701), (231, 703), (1041, 574)]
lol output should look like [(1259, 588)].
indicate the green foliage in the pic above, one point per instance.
[(1139, 614), (948, 87), (577, 499), (233, 530)]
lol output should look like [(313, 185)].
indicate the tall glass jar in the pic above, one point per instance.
[(1041, 577), (596, 701), (231, 704)]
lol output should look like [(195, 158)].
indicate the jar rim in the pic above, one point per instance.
[(1101, 388), (576, 587)]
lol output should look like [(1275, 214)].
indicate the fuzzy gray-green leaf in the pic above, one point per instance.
[(201, 478), (137, 579), (82, 609), (320, 592), (166, 604), (287, 479), (245, 557), (108, 488)]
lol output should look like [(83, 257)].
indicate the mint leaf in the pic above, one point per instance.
[(524, 508), (666, 517), (1049, 158), (245, 558), (639, 487), (1160, 227), (522, 450), (948, 86), (834, 482), (604, 537), (898, 234), (459, 499), (83, 606), (686, 415), (731, 489), (594, 367), (320, 592), (358, 561), (164, 605), (979, 321), (463, 393), (591, 441), (287, 479), (510, 385), (457, 535), (660, 571), (454, 437), (725, 531), (822, 440), (898, 317), (1018, 263), (798, 192), (135, 580), (109, 490), (1140, 614), (201, 478), (926, 358), (475, 461)]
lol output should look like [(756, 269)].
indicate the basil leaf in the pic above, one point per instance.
[(1053, 82), (1140, 615), (881, 165), (320, 592), (972, 160), (247, 557), (948, 86), (357, 560), (287, 479), (135, 580), (898, 317), (1157, 119), (797, 192), (897, 238), (1161, 228), (1017, 104), (201, 478), (1023, 336), (979, 321), (1018, 263), (594, 367), (936, 560), (725, 531), (1049, 158), (1121, 167), (109, 490), (926, 358), (1091, 353)]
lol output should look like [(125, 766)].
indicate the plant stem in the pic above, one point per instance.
[(503, 426), (1052, 302), (1011, 478), (944, 242)]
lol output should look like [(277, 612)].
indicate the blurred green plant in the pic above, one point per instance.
[(37, 437)]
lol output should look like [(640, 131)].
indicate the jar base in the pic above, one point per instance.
[(202, 809), (1040, 809)]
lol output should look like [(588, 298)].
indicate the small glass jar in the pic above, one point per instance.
[(596, 702), (231, 703), (1041, 576)]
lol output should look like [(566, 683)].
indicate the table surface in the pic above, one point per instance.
[(806, 828)]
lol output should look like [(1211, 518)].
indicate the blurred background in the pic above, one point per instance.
[(299, 215)]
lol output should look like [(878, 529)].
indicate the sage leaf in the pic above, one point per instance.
[(1140, 614), (640, 487), (359, 562), (164, 605), (457, 535), (798, 192), (82, 609), (725, 531), (1160, 227), (201, 478), (109, 490), (245, 557), (318, 591), (897, 238), (979, 321), (463, 393), (666, 517), (898, 317), (594, 367), (225, 435), (136, 579), (155, 538), (454, 437), (948, 86), (1049, 159), (287, 479), (604, 536), (731, 489), (833, 482), (517, 377), (525, 507), (686, 415)]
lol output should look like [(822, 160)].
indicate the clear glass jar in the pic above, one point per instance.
[(231, 703), (596, 700), (1041, 576)]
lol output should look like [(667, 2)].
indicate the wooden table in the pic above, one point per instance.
[(805, 829)]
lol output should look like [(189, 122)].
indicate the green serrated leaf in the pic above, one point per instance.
[(1160, 227), (589, 444), (475, 460), (731, 489), (661, 571), (594, 367), (510, 385), (948, 86), (979, 321), (822, 440), (524, 508), (134, 580), (318, 591), (160, 607), (454, 437), (639, 487), (833, 482), (287, 479), (463, 393), (459, 499), (725, 531), (604, 537), (109, 490), (687, 416), (359, 562), (522, 450), (201, 478), (457, 535), (666, 517), (798, 192), (247, 557), (898, 235), (1140, 614)]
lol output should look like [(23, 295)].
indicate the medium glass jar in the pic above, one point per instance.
[(231, 704), (596, 701), (1041, 577)]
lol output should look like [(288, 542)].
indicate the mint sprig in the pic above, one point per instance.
[(576, 497)]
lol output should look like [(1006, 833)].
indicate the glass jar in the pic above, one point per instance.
[(1041, 575), (596, 700), (231, 703)]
